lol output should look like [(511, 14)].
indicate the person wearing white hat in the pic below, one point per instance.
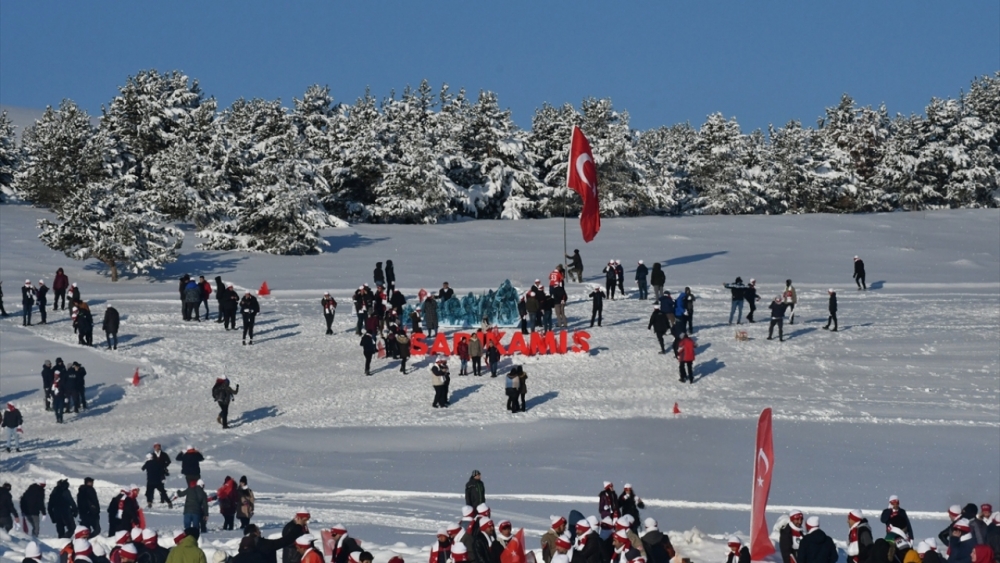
[(790, 535), (609, 279), (859, 537), (81, 550), (440, 378), (42, 292), (641, 271), (549, 538), (482, 542), (249, 308), (329, 305), (11, 423), (629, 504), (656, 544), (307, 551), (32, 552), (620, 277), (896, 516), (961, 543), (441, 548), (128, 553), (859, 274), (597, 297), (738, 553), (195, 504), (816, 546), (27, 302), (343, 544)]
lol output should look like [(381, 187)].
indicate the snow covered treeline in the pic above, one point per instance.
[(261, 176)]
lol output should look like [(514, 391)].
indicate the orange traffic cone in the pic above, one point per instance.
[(264, 290), (677, 410), (135, 378)]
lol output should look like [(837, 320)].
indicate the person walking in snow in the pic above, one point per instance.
[(659, 324), (33, 505), (791, 298), (58, 396), (329, 305), (77, 390), (777, 307), (190, 460), (195, 504), (620, 277), (206, 290), (155, 476), (752, 299), (27, 302), (859, 273), (8, 514), (249, 307), (229, 302), (85, 324), (402, 347), (680, 312), (440, 377), (369, 348), (689, 309), (11, 423), (41, 292), (62, 509), (833, 311), (246, 502), (59, 286), (89, 506), (378, 276), (576, 266), (74, 294), (223, 394), (228, 496), (739, 292), (390, 275), (597, 307), (610, 284), (685, 356), (112, 320), (641, 271), (657, 279)]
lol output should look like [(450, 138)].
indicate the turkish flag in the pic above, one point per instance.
[(760, 542), (582, 178), (514, 552)]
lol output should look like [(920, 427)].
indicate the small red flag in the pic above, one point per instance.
[(760, 542), (582, 178), (514, 552), (135, 378)]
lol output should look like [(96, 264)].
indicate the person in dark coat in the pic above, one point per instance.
[(155, 476), (378, 276), (267, 549), (657, 278), (655, 543), (74, 294), (294, 529), (3, 311), (62, 509), (192, 300), (833, 311), (89, 506), (48, 374), (329, 305), (575, 266), (739, 553), (343, 544), (445, 293), (893, 515), (190, 460), (249, 308), (195, 505), (790, 536), (11, 421), (113, 523), (859, 273), (77, 375), (219, 297), (859, 537), (398, 301), (390, 276), (609, 280), (659, 323), (689, 309), (206, 290), (223, 394), (607, 501), (641, 271), (475, 489), (33, 505), (750, 294), (816, 546), (42, 292), (597, 307), (228, 304), (59, 286), (182, 285), (110, 326), (27, 302), (482, 543), (85, 324), (777, 307), (8, 514), (369, 348), (739, 292), (630, 504)]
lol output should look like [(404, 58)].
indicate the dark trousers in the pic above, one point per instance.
[(687, 371), (58, 294), (224, 414), (512, 405), (93, 523), (248, 321), (690, 322), (861, 281), (361, 324), (64, 528), (227, 521), (41, 310), (402, 364), (329, 322), (643, 290), (659, 338), (831, 319), (621, 288), (368, 363), (207, 310), (48, 398), (152, 488), (87, 337), (26, 313), (493, 368), (244, 522), (76, 398), (440, 396), (610, 289), (58, 402), (780, 324), (522, 392), (477, 365), (188, 309), (112, 339), (229, 319), (596, 313), (753, 308), (79, 397)]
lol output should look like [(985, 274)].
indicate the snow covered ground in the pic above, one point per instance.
[(905, 399)]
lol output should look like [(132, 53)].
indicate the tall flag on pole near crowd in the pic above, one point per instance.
[(582, 178), (760, 543)]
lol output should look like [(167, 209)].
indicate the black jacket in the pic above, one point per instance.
[(294, 531), (33, 500), (743, 556), (27, 295), (657, 546), (190, 462), (48, 374), (349, 546), (833, 302), (598, 296), (475, 492), (658, 277), (481, 549), (750, 293), (817, 547), (154, 471), (778, 309), (62, 507), (390, 272), (444, 293), (87, 503), (610, 275), (249, 305), (268, 549), (41, 292), (859, 268), (785, 544), (577, 261), (7, 504), (592, 551), (398, 299), (77, 375), (739, 291), (111, 320), (156, 555), (11, 418), (641, 271), (658, 322), (899, 520), (627, 504), (163, 459)]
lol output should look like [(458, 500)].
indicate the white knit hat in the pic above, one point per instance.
[(81, 532), (922, 548), (812, 522), (147, 535), (305, 539), (649, 523), (136, 533), (733, 540), (31, 550), (931, 543), (80, 546), (130, 548), (467, 510), (98, 549)]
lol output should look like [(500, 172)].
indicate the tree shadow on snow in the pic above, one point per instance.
[(350, 240), (4, 399), (256, 414), (200, 263), (877, 285), (704, 369), (540, 399), (692, 258), (800, 332), (464, 392), (280, 336)]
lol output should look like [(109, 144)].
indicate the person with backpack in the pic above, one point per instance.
[(223, 394), (228, 496), (329, 305)]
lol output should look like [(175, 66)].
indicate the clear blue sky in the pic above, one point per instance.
[(664, 61)]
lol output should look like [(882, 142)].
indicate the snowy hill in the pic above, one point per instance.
[(886, 405)]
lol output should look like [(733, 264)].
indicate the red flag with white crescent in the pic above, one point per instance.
[(582, 178), (514, 552), (760, 542)]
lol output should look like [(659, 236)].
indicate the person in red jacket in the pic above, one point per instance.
[(206, 290), (59, 287), (462, 349), (685, 355), (228, 502)]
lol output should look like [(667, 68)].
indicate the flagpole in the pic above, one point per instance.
[(566, 211)]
